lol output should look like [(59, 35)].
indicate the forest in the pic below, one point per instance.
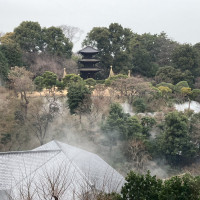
[(130, 120)]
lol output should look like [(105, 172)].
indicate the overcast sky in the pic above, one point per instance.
[(180, 19)]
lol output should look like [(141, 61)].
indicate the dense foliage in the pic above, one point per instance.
[(78, 98), (148, 187)]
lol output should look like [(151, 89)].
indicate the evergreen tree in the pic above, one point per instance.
[(177, 145), (79, 98), (3, 66)]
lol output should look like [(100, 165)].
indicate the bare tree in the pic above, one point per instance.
[(71, 32), (138, 153), (23, 190), (41, 114), (64, 181), (21, 81), (55, 183), (44, 62)]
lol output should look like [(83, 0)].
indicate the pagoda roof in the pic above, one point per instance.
[(89, 69), (88, 49), (89, 60)]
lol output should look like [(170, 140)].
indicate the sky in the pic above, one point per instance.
[(178, 18)]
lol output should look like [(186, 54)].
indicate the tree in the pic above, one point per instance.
[(71, 32), (172, 75), (114, 120), (163, 49), (79, 98), (195, 129), (41, 114), (8, 38), (109, 80), (165, 92), (143, 62), (90, 82), (181, 188), (139, 187), (56, 43), (120, 125), (137, 153), (29, 36), (13, 54), (168, 74), (60, 85), (49, 79), (113, 43), (55, 183), (185, 57), (21, 80), (3, 66), (180, 85), (168, 85), (32, 38), (39, 82), (149, 52), (70, 79), (140, 105), (147, 124), (177, 145)]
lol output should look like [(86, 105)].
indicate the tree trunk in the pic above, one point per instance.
[(189, 104)]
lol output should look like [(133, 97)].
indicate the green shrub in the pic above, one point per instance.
[(140, 105), (113, 78), (60, 85), (169, 85), (39, 83), (90, 82), (71, 79), (180, 85)]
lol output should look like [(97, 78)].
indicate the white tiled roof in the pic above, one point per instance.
[(84, 169)]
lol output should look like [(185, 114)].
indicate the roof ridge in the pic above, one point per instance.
[(28, 151), (38, 166), (73, 163), (57, 143), (90, 47)]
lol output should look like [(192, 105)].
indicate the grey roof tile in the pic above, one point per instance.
[(88, 49), (86, 169)]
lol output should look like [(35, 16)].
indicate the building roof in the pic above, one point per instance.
[(89, 60), (89, 69), (88, 49), (83, 169)]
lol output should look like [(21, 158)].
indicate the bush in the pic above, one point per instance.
[(113, 78), (140, 105), (39, 83), (180, 85), (60, 85), (169, 85), (90, 82), (49, 79), (100, 81), (71, 78), (147, 187), (79, 98), (140, 187)]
